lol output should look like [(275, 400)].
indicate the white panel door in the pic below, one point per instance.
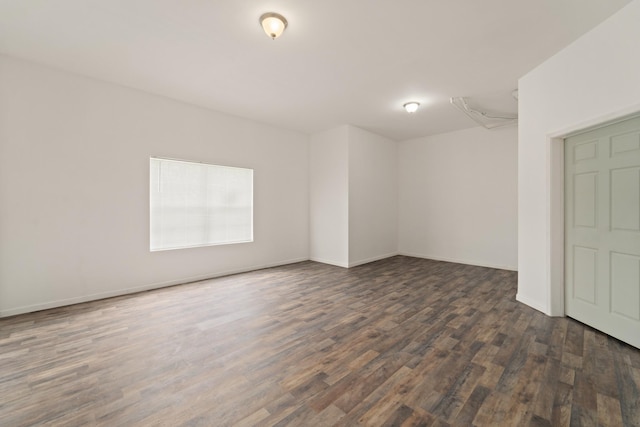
[(602, 229)]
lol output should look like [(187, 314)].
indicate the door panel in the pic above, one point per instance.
[(602, 229), (584, 278), (625, 199), (584, 199), (626, 142), (625, 271), (585, 151)]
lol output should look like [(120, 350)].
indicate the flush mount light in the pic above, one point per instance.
[(273, 24), (411, 107)]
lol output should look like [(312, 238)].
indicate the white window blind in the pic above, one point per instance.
[(196, 204)]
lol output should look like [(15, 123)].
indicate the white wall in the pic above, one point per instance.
[(74, 196), (373, 196), (458, 197), (594, 80), (329, 196)]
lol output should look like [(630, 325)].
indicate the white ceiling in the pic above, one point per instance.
[(339, 61)]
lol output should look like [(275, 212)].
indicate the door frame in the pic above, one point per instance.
[(556, 200)]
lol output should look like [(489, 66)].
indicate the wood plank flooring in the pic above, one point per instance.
[(398, 342)]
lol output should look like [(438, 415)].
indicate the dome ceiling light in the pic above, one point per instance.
[(411, 107), (273, 24)]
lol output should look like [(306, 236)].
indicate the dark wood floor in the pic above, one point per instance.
[(399, 342)]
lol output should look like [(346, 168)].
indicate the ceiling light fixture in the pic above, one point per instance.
[(411, 107), (273, 24)]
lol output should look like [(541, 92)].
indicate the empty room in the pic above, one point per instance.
[(319, 213)]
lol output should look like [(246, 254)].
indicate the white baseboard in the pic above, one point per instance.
[(354, 263), (531, 303), (101, 295), (460, 261), (330, 262), (126, 291), (368, 260)]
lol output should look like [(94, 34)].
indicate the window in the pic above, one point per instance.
[(196, 204)]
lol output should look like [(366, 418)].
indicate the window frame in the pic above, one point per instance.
[(207, 241)]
